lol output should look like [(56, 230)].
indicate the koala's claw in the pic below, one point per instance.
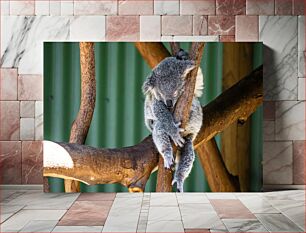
[(168, 162), (179, 185), (178, 140)]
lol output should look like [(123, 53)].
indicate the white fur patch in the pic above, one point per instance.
[(56, 156), (199, 86)]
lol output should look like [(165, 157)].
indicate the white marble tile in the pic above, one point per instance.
[(277, 223), (87, 28), (42, 7), (189, 209), (122, 219), (221, 195), (39, 200), (39, 120), (242, 225), (66, 7), (55, 8), (277, 163), (22, 7), (150, 28), (294, 195), (188, 198), (207, 220), (74, 229), (165, 226), (163, 199), (106, 7), (127, 202), (6, 194), (301, 47), (5, 7), (290, 120), (292, 209), (279, 34), (301, 88), (8, 210), (167, 7), (269, 130), (22, 40), (39, 226), (20, 219), (26, 128), (27, 108), (257, 205), (129, 195), (167, 213)]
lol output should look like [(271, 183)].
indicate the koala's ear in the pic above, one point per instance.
[(189, 65), (149, 84)]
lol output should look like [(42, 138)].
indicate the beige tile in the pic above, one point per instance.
[(42, 7), (167, 7), (176, 25), (8, 87), (301, 88), (30, 87), (39, 118), (150, 28), (165, 226), (122, 28), (277, 163), (9, 120), (22, 7), (163, 199), (95, 7), (135, 7), (10, 153), (66, 7), (161, 213), (269, 130), (290, 120), (27, 109), (87, 28), (39, 226), (27, 129), (203, 7)]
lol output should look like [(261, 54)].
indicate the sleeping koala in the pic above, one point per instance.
[(162, 89)]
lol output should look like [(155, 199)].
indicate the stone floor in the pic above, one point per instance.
[(34, 211)]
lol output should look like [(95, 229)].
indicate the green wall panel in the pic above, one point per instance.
[(118, 117)]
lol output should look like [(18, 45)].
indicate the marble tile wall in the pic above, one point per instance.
[(279, 24)]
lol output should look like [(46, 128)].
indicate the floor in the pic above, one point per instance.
[(34, 211)]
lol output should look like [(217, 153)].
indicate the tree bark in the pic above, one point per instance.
[(132, 166), (237, 62), (152, 52), (218, 179), (236, 103), (82, 122)]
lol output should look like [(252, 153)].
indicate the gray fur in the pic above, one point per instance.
[(163, 86)]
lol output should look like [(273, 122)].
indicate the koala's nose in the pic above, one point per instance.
[(169, 103)]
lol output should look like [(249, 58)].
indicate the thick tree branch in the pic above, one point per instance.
[(132, 166), (82, 122), (236, 103)]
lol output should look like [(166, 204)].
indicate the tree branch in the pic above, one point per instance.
[(81, 124), (132, 166)]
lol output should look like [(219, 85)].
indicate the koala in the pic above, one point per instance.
[(162, 89)]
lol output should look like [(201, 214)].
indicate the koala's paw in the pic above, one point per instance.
[(179, 185), (176, 136), (168, 160)]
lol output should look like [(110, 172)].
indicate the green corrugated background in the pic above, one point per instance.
[(118, 118)]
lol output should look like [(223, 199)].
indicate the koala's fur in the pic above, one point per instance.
[(162, 89)]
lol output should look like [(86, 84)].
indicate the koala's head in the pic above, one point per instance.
[(166, 82)]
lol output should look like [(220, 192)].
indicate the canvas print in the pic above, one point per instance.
[(152, 117)]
